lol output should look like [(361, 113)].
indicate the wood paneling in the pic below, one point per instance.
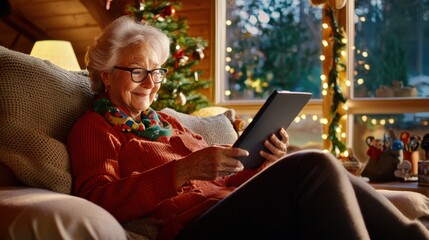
[(80, 21)]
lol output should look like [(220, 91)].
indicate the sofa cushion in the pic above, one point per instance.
[(31, 213), (39, 102), (218, 129)]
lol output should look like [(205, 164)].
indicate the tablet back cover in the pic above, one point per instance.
[(278, 111)]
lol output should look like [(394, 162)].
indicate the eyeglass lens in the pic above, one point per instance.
[(139, 75)]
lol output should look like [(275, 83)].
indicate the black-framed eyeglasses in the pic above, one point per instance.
[(138, 75)]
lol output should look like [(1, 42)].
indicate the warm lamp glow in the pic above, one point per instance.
[(60, 53)]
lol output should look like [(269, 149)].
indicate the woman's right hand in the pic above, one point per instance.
[(209, 163)]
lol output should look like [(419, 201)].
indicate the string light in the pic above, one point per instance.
[(325, 43)]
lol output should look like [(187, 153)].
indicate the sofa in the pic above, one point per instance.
[(39, 102)]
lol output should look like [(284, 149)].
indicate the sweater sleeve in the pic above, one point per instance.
[(94, 154)]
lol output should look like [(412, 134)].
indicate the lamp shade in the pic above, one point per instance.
[(58, 52)]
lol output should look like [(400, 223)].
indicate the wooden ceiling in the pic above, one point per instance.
[(23, 22), (80, 21)]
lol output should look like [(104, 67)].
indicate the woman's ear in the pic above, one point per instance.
[(105, 78)]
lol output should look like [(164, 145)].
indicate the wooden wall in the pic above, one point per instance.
[(201, 20)]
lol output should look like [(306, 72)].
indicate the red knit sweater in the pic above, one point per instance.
[(132, 177)]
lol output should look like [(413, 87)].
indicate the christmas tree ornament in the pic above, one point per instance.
[(183, 60), (180, 99), (142, 6), (168, 11), (198, 54)]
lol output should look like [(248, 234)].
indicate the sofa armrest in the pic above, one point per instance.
[(32, 213)]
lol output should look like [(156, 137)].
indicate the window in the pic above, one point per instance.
[(390, 63), (387, 63), (269, 45), (264, 45)]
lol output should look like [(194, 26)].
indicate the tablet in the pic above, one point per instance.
[(278, 111)]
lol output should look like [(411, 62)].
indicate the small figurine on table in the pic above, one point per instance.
[(375, 147)]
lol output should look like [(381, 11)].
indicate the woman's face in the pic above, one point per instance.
[(123, 92)]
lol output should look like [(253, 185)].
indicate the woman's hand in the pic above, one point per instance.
[(276, 146), (209, 163)]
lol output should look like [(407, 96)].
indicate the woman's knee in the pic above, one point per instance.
[(313, 158)]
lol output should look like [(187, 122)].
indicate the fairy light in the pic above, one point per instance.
[(348, 83), (364, 118), (228, 22), (323, 77), (322, 58), (325, 26), (314, 117), (324, 121), (227, 92), (324, 92), (366, 66), (325, 86), (325, 43)]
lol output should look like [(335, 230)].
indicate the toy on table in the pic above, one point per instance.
[(375, 147), (391, 158), (398, 147), (425, 145)]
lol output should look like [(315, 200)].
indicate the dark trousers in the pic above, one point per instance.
[(306, 195)]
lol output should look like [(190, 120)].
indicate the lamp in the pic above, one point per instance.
[(58, 52)]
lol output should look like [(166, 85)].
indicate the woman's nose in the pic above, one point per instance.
[(148, 82)]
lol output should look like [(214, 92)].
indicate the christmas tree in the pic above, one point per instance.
[(180, 90)]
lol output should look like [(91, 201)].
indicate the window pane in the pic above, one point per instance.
[(305, 131), (377, 125), (392, 51), (271, 44)]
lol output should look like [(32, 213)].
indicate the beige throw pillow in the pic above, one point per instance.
[(218, 129), (39, 102)]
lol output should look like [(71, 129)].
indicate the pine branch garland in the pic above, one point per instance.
[(334, 85)]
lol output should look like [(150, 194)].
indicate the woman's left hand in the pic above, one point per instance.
[(277, 148)]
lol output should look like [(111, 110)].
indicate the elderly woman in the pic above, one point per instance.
[(139, 163)]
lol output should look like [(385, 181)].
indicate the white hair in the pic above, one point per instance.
[(103, 55)]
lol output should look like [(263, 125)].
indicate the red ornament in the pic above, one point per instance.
[(180, 57), (168, 11)]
